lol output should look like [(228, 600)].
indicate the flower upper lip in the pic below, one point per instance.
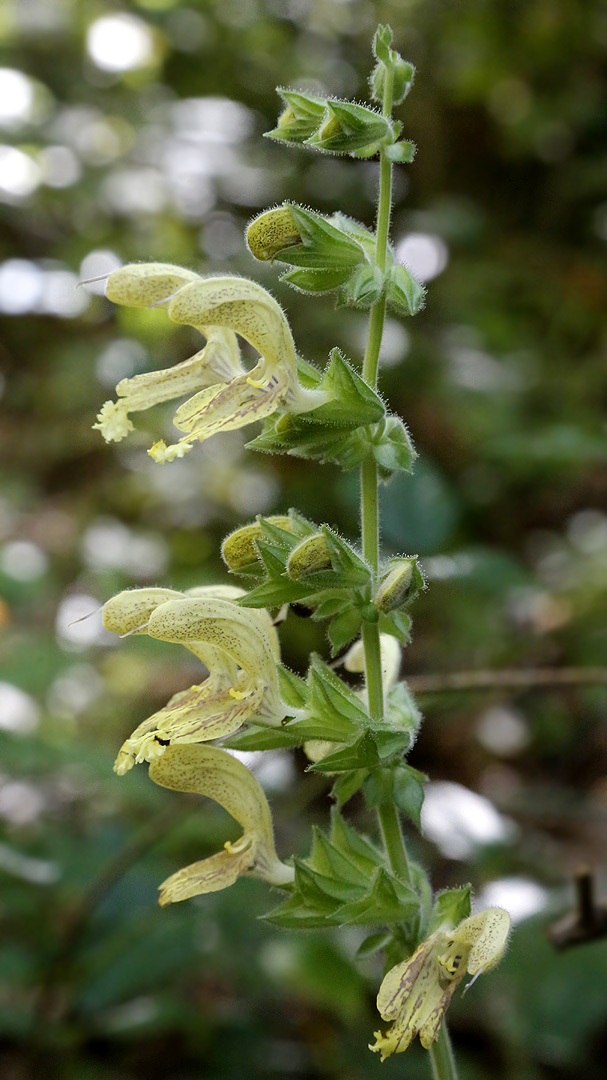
[(225, 395), (238, 645), (205, 770)]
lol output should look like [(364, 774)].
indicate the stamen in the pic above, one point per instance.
[(83, 618), (167, 298), (91, 280), (472, 982), (135, 629)]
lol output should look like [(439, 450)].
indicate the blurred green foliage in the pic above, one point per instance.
[(141, 139)]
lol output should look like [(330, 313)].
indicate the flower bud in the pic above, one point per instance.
[(300, 119), (403, 76), (238, 549), (349, 127), (272, 231), (310, 556), (400, 582)]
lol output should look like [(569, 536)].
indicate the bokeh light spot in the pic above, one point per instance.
[(16, 97), (120, 43), (20, 175), (424, 254)]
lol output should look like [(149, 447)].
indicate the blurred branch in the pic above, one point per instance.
[(506, 679), (587, 922), (53, 1000)]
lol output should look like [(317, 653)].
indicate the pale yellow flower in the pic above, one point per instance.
[(416, 993), (225, 395), (204, 770), (239, 646)]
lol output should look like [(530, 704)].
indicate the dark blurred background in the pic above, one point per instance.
[(133, 132)]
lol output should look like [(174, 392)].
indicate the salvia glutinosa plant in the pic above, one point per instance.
[(359, 738)]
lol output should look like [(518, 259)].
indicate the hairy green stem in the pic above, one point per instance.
[(368, 485), (441, 1056), (394, 842)]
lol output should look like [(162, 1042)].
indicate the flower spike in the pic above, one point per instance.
[(204, 770), (416, 993), (238, 645), (225, 395)]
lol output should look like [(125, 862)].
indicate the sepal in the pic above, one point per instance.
[(398, 624), (334, 711), (387, 901), (391, 446), (402, 713), (401, 153), (450, 907), (301, 117), (361, 754), (323, 245), (401, 581), (402, 785), (324, 443), (347, 128), (239, 549), (404, 292), (344, 882), (364, 288), (351, 401)]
